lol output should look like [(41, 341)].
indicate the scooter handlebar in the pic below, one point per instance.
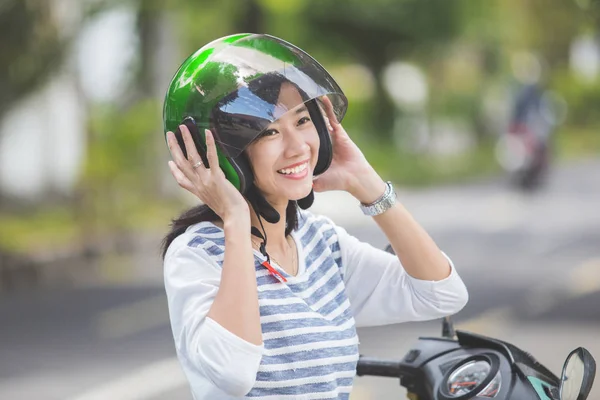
[(378, 367)]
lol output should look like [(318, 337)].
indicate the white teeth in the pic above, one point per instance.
[(295, 170)]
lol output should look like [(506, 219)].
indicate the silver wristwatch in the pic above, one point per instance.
[(382, 204)]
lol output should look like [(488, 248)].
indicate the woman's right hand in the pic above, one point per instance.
[(208, 184)]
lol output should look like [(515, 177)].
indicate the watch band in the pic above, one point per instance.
[(382, 204)]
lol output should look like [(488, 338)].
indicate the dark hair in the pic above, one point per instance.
[(266, 87), (203, 213)]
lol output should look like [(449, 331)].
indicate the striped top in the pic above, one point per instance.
[(310, 345)]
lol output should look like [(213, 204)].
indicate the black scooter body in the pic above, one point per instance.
[(425, 369)]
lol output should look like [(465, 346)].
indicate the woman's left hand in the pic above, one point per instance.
[(349, 170)]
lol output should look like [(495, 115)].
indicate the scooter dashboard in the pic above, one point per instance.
[(474, 367)]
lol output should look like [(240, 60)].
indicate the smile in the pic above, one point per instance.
[(294, 171)]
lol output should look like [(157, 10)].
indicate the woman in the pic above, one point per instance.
[(264, 296)]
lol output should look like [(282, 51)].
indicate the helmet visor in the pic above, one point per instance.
[(257, 80)]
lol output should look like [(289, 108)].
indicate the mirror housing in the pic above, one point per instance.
[(579, 371)]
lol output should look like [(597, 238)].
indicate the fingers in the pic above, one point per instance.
[(211, 150), (329, 110), (183, 165), (174, 148), (190, 147), (337, 131), (180, 177)]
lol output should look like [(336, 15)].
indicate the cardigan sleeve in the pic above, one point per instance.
[(216, 361), (381, 292)]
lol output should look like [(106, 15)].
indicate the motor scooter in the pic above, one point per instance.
[(524, 156), (462, 365), (524, 149)]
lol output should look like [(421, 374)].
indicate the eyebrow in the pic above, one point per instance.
[(298, 111)]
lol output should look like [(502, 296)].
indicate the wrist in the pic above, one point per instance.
[(237, 219), (369, 189), (381, 204)]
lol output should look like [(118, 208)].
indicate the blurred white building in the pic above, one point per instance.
[(584, 58), (41, 145), (43, 138)]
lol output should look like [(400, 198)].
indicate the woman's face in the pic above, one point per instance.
[(285, 155)]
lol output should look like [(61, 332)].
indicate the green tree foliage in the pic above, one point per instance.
[(33, 45), (30, 49), (380, 31)]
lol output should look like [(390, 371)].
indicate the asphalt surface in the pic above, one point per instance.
[(531, 263)]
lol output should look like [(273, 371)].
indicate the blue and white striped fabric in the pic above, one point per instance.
[(309, 334)]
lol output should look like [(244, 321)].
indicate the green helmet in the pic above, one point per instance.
[(231, 86)]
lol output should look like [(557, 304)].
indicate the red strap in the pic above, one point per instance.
[(273, 271)]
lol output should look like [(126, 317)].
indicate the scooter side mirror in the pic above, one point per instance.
[(578, 375)]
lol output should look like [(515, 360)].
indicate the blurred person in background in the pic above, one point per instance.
[(525, 149), (264, 296)]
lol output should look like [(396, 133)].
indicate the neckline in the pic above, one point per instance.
[(299, 257), (289, 277)]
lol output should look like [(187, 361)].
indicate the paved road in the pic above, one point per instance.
[(531, 263)]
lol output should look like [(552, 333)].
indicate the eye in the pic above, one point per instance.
[(268, 132), (303, 120)]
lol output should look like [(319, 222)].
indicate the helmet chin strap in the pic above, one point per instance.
[(263, 209), (261, 206), (307, 201)]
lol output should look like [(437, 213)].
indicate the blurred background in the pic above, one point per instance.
[(484, 114)]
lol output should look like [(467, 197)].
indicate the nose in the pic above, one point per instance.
[(295, 143)]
